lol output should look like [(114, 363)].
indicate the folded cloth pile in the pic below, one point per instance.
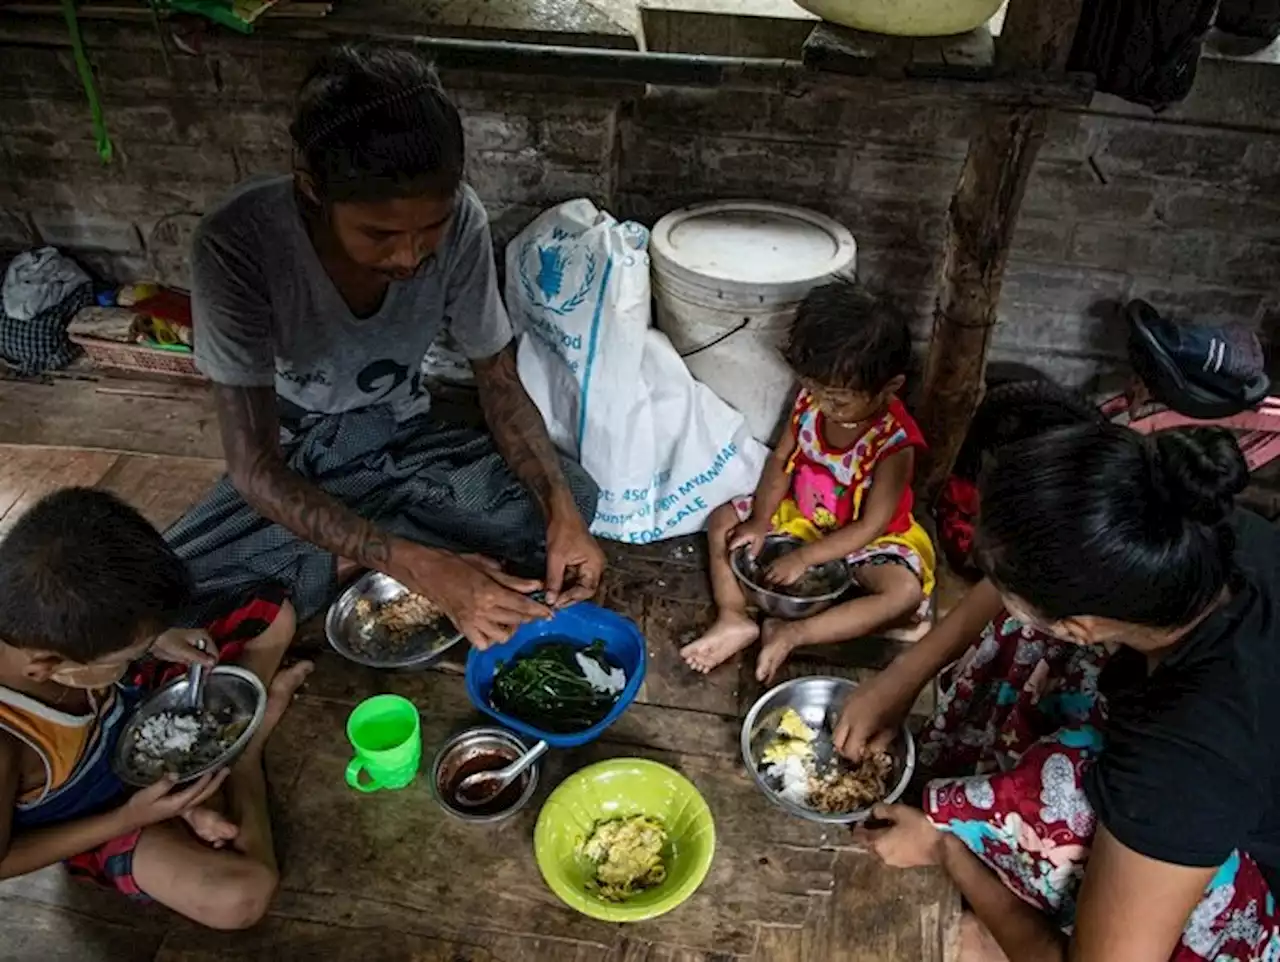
[(42, 292)]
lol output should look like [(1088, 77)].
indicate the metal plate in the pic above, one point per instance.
[(343, 626), (749, 572), (227, 685), (818, 701)]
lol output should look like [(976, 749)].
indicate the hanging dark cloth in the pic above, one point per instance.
[(1145, 51)]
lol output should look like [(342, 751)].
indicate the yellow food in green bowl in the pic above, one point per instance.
[(628, 856), (624, 840)]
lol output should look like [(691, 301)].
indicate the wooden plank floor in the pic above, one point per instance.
[(389, 875)]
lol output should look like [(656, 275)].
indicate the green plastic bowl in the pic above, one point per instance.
[(619, 788)]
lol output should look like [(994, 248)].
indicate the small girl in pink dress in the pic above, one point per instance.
[(839, 480)]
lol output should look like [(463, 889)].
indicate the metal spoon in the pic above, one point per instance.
[(483, 787), (197, 675)]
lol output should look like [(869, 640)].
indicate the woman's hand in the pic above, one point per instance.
[(872, 716), (160, 802), (575, 562), (751, 533), (908, 841), (186, 646)]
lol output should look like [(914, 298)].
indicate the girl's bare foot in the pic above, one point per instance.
[(728, 636), (777, 641)]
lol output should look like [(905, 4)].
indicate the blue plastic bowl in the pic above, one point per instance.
[(582, 623)]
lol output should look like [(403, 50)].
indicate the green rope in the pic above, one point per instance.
[(105, 150)]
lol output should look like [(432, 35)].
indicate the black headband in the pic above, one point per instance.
[(393, 104)]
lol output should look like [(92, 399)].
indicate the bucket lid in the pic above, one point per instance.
[(773, 251)]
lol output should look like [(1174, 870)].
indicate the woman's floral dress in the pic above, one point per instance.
[(1020, 724)]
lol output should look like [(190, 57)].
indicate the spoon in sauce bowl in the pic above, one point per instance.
[(483, 787)]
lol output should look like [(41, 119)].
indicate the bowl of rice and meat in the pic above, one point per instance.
[(787, 746), (166, 737)]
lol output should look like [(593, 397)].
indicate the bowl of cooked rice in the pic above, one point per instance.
[(164, 736), (787, 747), (379, 623)]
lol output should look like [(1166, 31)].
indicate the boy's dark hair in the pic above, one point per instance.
[(373, 123), (845, 337), (84, 575)]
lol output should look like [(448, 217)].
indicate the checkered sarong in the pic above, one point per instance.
[(38, 344), (440, 486)]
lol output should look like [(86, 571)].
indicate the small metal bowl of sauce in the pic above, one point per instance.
[(481, 750)]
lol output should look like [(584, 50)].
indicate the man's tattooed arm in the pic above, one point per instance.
[(519, 431), (251, 441)]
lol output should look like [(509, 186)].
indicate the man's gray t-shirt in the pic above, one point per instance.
[(266, 313)]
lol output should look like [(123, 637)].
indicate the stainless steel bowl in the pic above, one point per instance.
[(227, 686), (818, 701), (750, 574), (343, 626), (449, 769)]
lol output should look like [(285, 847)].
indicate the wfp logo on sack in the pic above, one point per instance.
[(557, 275), (558, 279)]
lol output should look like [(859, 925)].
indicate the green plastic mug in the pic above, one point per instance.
[(386, 734)]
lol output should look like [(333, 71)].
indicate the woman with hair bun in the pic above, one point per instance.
[(1105, 765)]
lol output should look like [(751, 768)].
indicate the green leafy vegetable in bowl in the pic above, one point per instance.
[(558, 686)]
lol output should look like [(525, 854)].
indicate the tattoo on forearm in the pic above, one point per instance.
[(251, 440), (518, 429)]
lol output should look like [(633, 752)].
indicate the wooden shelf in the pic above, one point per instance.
[(964, 64)]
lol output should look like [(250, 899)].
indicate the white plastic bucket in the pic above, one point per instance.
[(727, 279)]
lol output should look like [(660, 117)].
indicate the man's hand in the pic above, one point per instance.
[(909, 841), (751, 533), (788, 569), (186, 646), (485, 603), (575, 561)]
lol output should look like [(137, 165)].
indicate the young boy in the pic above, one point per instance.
[(86, 588), (839, 481)]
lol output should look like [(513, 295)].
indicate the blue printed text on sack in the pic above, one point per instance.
[(726, 455)]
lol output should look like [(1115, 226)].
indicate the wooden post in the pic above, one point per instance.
[(1036, 38)]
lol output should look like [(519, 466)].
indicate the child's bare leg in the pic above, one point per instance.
[(228, 888), (212, 822), (246, 787), (262, 655), (733, 630), (893, 593), (245, 790)]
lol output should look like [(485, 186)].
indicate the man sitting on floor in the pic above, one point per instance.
[(87, 588), (315, 298)]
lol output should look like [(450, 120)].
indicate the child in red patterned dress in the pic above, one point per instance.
[(86, 587), (839, 480)]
